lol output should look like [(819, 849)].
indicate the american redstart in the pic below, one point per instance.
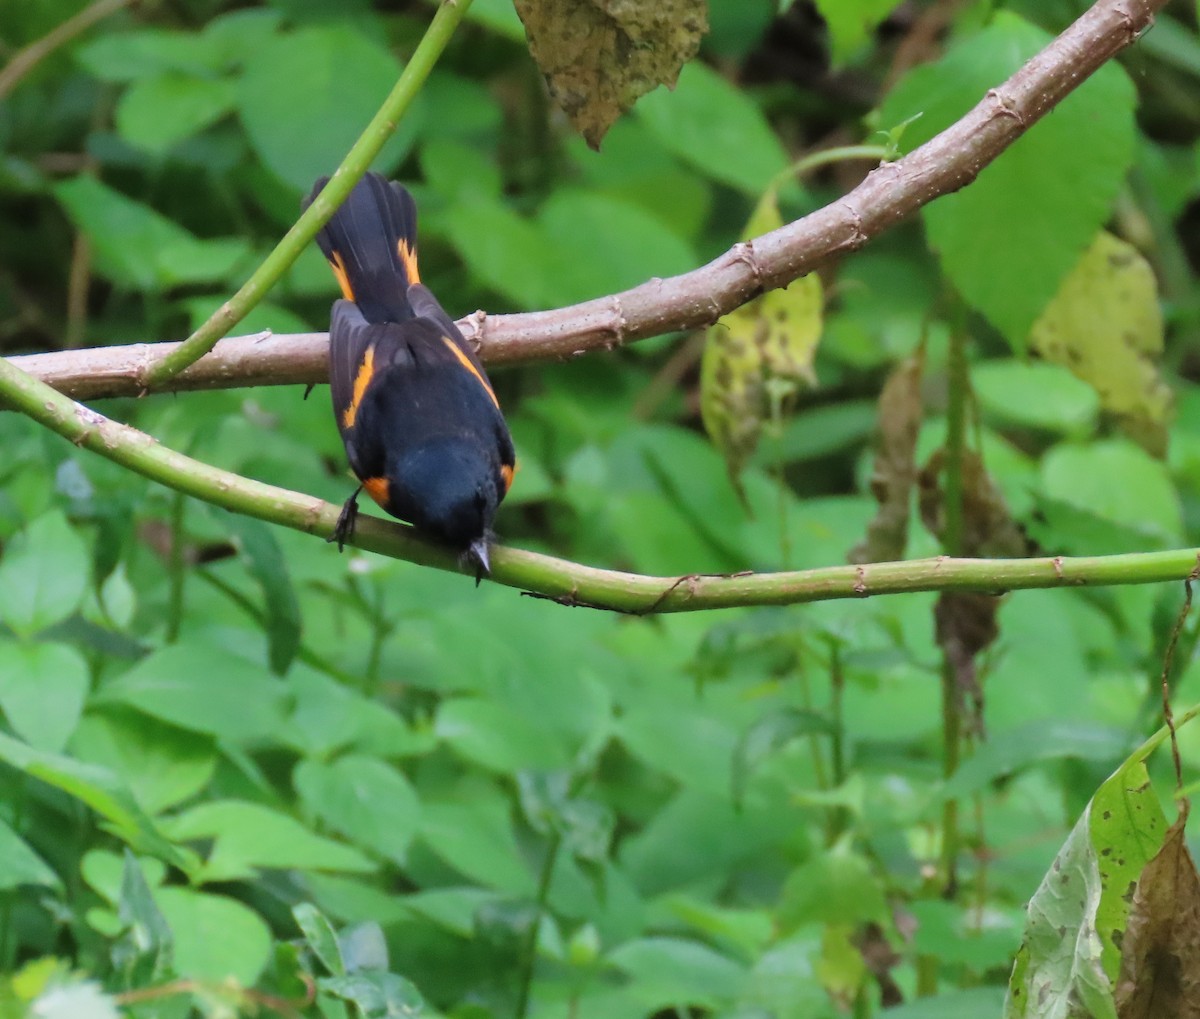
[(421, 424)]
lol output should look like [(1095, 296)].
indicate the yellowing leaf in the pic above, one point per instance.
[(758, 356), (1105, 325), (600, 56)]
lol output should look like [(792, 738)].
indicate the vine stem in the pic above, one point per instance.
[(565, 582), (356, 163)]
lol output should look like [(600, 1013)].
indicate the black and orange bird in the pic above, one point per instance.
[(420, 421)]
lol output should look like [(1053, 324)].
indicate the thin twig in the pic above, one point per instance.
[(26, 59)]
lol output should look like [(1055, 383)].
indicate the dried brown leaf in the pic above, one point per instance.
[(895, 472), (600, 56), (1160, 953)]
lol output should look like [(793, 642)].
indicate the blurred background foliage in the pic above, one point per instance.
[(224, 742)]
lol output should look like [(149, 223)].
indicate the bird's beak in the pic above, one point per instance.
[(477, 553)]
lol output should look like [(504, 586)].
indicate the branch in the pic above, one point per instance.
[(383, 125), (557, 579), (891, 192)]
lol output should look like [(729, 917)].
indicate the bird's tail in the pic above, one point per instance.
[(371, 242)]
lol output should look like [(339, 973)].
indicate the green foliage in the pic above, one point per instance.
[(242, 773)]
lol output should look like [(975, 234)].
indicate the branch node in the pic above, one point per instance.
[(743, 251), (1058, 566), (860, 581), (476, 320), (1006, 106)]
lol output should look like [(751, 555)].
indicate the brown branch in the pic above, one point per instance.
[(891, 192)]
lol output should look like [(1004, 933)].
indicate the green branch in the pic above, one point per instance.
[(557, 579), (356, 163)]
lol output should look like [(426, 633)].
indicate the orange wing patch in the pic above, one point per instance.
[(506, 475), (339, 272), (365, 371), (377, 489), (408, 259), (466, 363)]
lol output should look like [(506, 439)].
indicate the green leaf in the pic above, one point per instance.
[(364, 799), (43, 575), (672, 972), (834, 887), (1007, 240), (163, 765), (1036, 395), (706, 120), (96, 787), (377, 995), (626, 245), (850, 22), (157, 113), (1119, 482), (42, 690), (266, 564), (148, 52), (136, 246), (180, 684), (20, 864), (477, 839), (771, 733), (320, 935), (307, 96), (489, 733), (504, 251), (247, 836), (147, 933), (216, 938), (327, 716)]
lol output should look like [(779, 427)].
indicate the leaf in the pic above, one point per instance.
[(491, 734), (895, 471), (180, 685), (1105, 325), (216, 938), (770, 733), (147, 936), (247, 836), (478, 840), (1160, 953), (43, 575), (706, 121), (1009, 239), (307, 96), (364, 799), (1128, 828), (266, 564), (320, 935), (835, 886), (1058, 974), (163, 765), (850, 22), (42, 691), (673, 972), (20, 864), (758, 357), (377, 995), (1035, 395), (157, 113), (1118, 482), (98, 788), (600, 56), (148, 52), (138, 247)]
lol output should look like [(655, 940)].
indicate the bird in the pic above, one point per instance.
[(423, 430)]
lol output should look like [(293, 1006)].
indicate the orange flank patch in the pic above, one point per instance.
[(339, 272), (408, 259), (466, 363), (506, 475), (361, 381), (377, 489)]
